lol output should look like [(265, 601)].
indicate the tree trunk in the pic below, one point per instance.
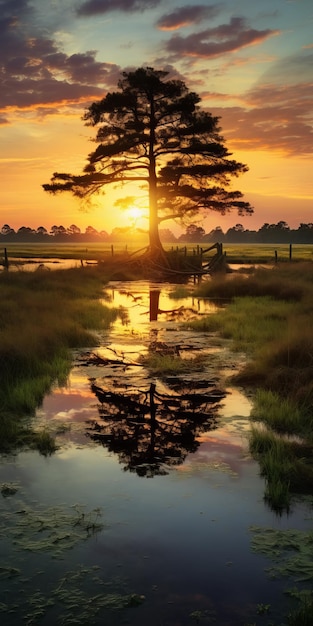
[(156, 249), (154, 237)]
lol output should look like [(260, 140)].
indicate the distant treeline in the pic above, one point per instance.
[(268, 233)]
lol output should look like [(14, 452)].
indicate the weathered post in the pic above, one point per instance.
[(152, 403), (6, 260), (154, 304), (290, 251)]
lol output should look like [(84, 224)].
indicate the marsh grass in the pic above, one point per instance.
[(250, 322), (43, 315), (280, 414), (44, 443), (269, 316), (303, 616), (286, 465)]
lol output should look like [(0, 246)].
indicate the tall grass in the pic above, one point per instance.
[(42, 317), (280, 414), (269, 316)]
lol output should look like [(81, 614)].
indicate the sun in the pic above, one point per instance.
[(134, 213), (135, 216)]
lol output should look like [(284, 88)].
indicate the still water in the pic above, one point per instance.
[(94, 535)]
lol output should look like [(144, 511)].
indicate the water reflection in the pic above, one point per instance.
[(150, 431), (41, 264), (182, 540), (152, 422)]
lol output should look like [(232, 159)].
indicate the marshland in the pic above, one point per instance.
[(156, 445)]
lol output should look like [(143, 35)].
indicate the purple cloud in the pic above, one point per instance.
[(187, 15), (34, 71), (214, 42), (96, 7), (274, 117)]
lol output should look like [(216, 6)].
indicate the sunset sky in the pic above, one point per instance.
[(250, 62)]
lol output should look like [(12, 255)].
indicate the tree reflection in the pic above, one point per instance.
[(150, 431)]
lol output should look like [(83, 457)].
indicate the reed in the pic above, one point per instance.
[(44, 443), (302, 616), (280, 414)]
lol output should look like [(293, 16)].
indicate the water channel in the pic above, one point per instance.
[(138, 520)]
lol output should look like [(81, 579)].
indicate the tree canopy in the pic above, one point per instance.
[(152, 132)]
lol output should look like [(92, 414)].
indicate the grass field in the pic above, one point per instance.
[(235, 253)]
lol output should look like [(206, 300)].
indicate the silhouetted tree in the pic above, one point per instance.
[(73, 230), (149, 437), (166, 235), (216, 235), (41, 230), (25, 233), (58, 231), (193, 233), (7, 230), (153, 132)]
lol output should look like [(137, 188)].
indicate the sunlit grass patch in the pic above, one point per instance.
[(180, 291), (249, 322), (285, 464), (163, 365), (209, 324), (280, 414), (274, 455), (275, 283)]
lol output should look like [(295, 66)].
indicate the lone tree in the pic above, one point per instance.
[(152, 132)]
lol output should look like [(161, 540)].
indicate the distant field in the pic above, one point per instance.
[(266, 253), (235, 253)]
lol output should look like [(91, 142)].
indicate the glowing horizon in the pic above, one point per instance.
[(254, 72)]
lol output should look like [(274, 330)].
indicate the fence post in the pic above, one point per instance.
[(6, 260), (290, 251)]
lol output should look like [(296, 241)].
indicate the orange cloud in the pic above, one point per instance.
[(187, 15), (214, 42)]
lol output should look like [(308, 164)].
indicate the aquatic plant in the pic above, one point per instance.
[(8, 489), (44, 442), (163, 364), (290, 550), (48, 529)]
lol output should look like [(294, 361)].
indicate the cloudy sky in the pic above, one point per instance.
[(250, 62)]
